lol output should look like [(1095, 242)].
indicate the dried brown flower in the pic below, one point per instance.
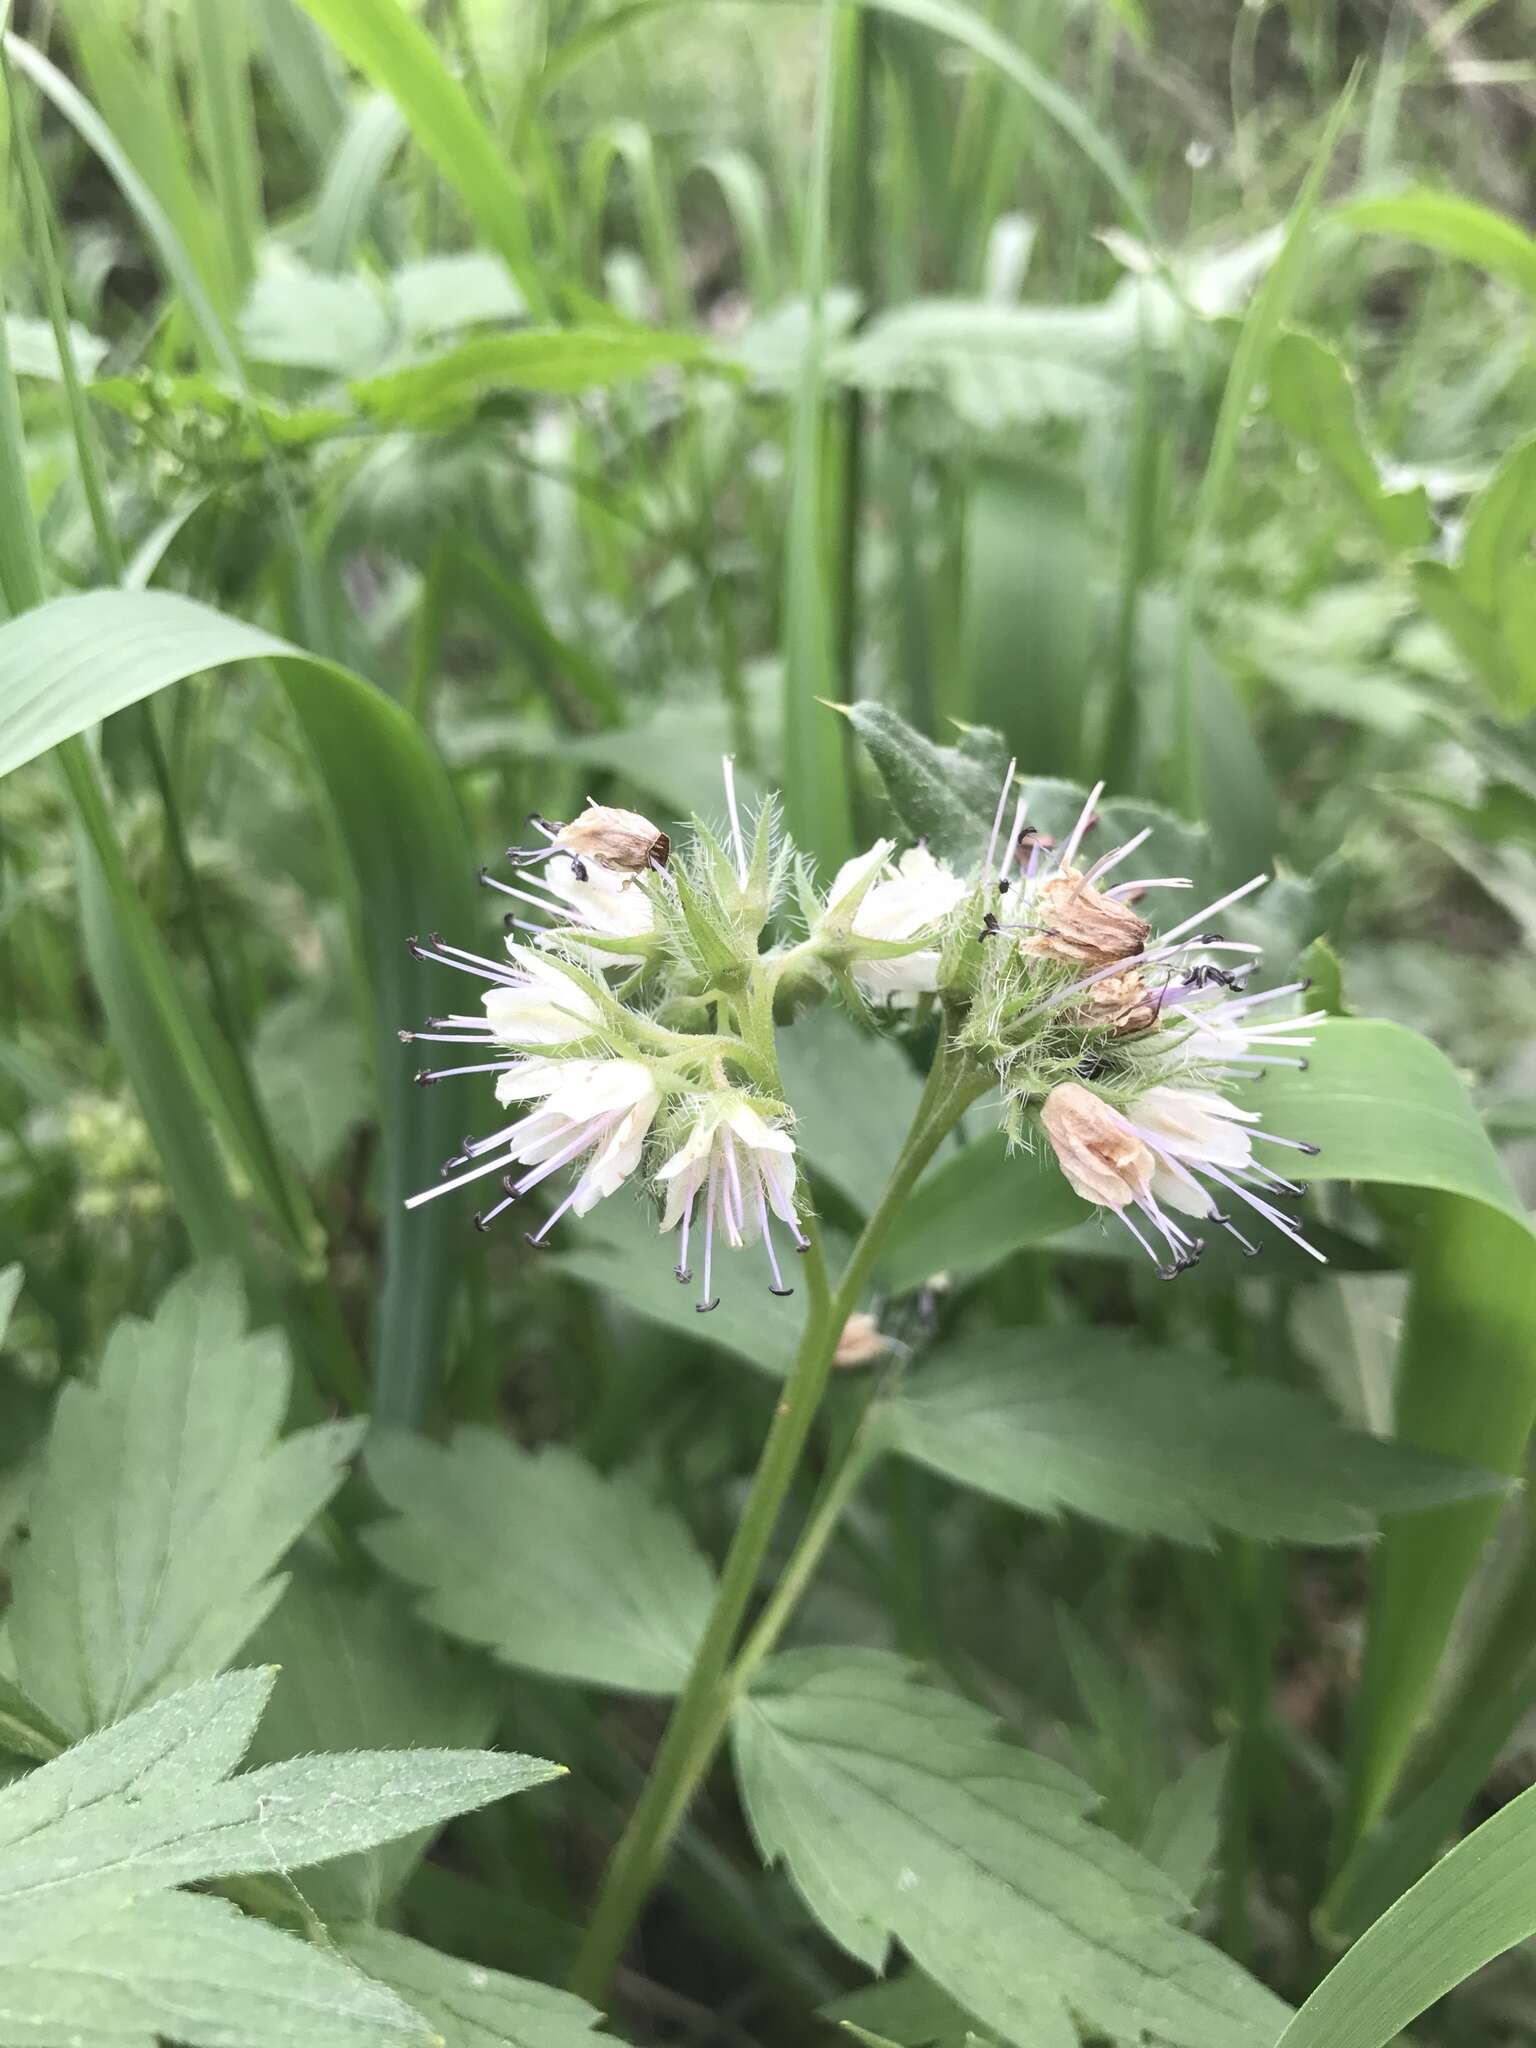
[(1083, 927), (1099, 1152)]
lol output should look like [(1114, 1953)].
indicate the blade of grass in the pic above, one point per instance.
[(816, 797), (396, 54), (226, 124), (1271, 305)]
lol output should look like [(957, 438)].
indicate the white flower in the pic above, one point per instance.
[(744, 1167), (906, 901), (1149, 1154), (590, 895), (542, 1006), (593, 1112)]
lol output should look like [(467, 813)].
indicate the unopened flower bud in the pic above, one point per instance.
[(615, 838), (1098, 1151), (1082, 926), (861, 1342)]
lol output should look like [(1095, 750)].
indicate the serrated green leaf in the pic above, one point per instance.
[(945, 795), (1157, 1442), (196, 1970), (356, 1670), (164, 1503), (558, 359), (1311, 396), (472, 2007), (148, 1804), (542, 1560), (903, 1816), (907, 2009)]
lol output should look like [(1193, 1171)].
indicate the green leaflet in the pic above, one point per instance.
[(357, 1671), (542, 1560), (194, 1969), (68, 664), (149, 1804), (1311, 395), (1485, 600), (447, 387), (1476, 1903), (902, 1815), (1157, 1442), (142, 1574), (471, 2007)]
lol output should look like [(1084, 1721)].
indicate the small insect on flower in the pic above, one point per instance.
[(622, 840), (743, 1167)]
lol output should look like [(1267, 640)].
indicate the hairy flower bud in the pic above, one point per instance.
[(1082, 926), (614, 838), (1099, 1152)]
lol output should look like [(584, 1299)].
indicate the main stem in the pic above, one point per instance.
[(693, 1734)]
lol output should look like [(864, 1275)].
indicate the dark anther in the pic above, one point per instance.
[(510, 921), (578, 868), (989, 928), (423, 1077), (702, 1308), (481, 1220), (539, 1244), (1310, 1150), (781, 1291), (1305, 985), (1004, 886), (682, 1274), (509, 1187)]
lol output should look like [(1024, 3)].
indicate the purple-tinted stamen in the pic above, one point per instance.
[(735, 1215), (1280, 1220), (1292, 1144), (430, 1074), (1011, 850), (1152, 882), (486, 972), (728, 770), (1147, 1248), (589, 1135), (1250, 1249), (1113, 858), (462, 1180), (537, 1237), (484, 1218), (448, 1037)]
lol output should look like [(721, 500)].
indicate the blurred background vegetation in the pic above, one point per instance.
[(1152, 384)]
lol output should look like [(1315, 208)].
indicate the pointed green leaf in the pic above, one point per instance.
[(472, 2007), (165, 1501), (1311, 396), (544, 1561), (1455, 226), (903, 1816), (1157, 1442), (195, 1970)]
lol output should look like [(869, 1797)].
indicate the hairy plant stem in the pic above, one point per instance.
[(699, 1719)]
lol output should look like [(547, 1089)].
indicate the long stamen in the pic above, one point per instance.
[(461, 1180), (778, 1286), (1084, 819), (682, 1271), (1222, 903), (1151, 882), (735, 1214), (428, 1075), (728, 770), (1015, 834), (1291, 1144), (1267, 1210), (482, 1037), (710, 1301), (484, 1218), (1113, 858), (441, 959), (997, 817), (540, 1236)]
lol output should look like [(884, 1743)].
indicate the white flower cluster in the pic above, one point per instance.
[(633, 1018)]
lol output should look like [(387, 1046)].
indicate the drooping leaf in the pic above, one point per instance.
[(407, 857), (1476, 1903), (1455, 226), (357, 1671), (903, 1816), (1311, 396), (148, 1804), (1157, 1442), (195, 1970), (542, 1560), (449, 386), (165, 1501), (472, 2007)]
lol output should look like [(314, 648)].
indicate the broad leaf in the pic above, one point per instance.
[(355, 1671), (1455, 226), (149, 1804), (541, 1559), (471, 2007), (903, 1816), (905, 2009), (195, 1970), (854, 1095), (448, 387), (975, 1207), (165, 1500), (1157, 1442)]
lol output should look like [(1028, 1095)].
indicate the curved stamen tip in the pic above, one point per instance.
[(1311, 1151), (702, 1308), (539, 1244), (682, 1273), (481, 1220), (405, 1037), (782, 1292), (423, 1076), (802, 1245)]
